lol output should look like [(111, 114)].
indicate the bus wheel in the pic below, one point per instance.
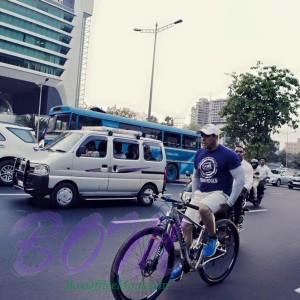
[(172, 172)]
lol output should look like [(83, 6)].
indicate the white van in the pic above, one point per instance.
[(94, 163)]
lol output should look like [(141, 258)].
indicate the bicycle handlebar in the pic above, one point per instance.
[(179, 203)]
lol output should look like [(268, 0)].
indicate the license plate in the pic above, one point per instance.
[(20, 183)]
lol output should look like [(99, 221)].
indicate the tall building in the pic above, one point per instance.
[(200, 112), (43, 43), (206, 111), (214, 111), (293, 148)]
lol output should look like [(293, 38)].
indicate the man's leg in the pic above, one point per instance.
[(187, 229), (210, 205), (255, 184), (208, 219)]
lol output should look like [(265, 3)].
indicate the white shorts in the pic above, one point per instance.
[(212, 199)]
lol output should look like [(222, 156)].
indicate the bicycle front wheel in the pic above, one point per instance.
[(215, 269), (143, 265)]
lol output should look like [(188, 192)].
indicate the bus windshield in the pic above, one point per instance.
[(59, 122)]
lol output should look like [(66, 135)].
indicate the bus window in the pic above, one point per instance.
[(129, 127), (189, 142), (62, 122), (172, 140), (152, 152), (152, 133), (73, 122), (87, 121)]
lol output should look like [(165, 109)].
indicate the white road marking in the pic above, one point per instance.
[(134, 221), (297, 290), (14, 195), (257, 210)]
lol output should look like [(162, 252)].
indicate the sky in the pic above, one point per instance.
[(193, 58)]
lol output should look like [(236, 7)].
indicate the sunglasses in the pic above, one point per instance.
[(205, 135), (239, 151)]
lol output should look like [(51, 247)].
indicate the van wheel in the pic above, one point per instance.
[(172, 172), (64, 195), (6, 172), (143, 196)]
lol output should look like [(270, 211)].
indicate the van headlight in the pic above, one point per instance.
[(40, 169)]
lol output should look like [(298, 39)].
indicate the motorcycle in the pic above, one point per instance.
[(260, 194)]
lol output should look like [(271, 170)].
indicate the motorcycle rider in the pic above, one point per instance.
[(264, 170), (256, 176), (240, 151), (248, 170)]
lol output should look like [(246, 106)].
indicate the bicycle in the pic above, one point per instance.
[(151, 251)]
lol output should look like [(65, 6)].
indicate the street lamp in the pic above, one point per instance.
[(155, 31), (40, 103)]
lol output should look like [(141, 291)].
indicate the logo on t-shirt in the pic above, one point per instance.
[(208, 167)]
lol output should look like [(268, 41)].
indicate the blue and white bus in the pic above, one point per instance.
[(180, 144)]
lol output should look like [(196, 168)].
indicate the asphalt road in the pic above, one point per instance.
[(45, 252)]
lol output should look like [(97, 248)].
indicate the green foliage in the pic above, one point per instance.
[(153, 119), (169, 121), (191, 126), (259, 103), (124, 112)]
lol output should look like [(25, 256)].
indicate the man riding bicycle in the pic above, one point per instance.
[(218, 179)]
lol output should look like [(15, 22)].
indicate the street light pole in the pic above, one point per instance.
[(155, 31), (40, 103)]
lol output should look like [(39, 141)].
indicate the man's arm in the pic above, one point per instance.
[(238, 175), (195, 181)]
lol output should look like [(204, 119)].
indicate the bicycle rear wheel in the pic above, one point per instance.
[(216, 270), (142, 266)]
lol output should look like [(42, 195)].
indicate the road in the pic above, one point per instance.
[(45, 252)]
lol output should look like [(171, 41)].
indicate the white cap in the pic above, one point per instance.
[(209, 129)]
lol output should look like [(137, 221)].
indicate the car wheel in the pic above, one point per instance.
[(290, 187), (64, 195), (143, 196), (6, 172), (278, 182)]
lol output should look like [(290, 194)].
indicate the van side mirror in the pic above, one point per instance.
[(80, 151)]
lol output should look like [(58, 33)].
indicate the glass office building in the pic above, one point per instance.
[(41, 43)]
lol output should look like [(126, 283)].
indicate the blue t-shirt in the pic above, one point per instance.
[(214, 169)]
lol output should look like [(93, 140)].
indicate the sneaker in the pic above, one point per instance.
[(211, 247), (177, 273)]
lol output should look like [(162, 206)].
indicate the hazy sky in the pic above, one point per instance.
[(192, 58)]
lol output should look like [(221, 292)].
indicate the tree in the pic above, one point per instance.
[(124, 112), (191, 126), (259, 103), (168, 121), (153, 119)]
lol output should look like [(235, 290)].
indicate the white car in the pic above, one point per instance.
[(95, 163), (280, 177), (295, 181), (14, 142)]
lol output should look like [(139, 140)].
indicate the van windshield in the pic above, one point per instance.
[(64, 142)]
